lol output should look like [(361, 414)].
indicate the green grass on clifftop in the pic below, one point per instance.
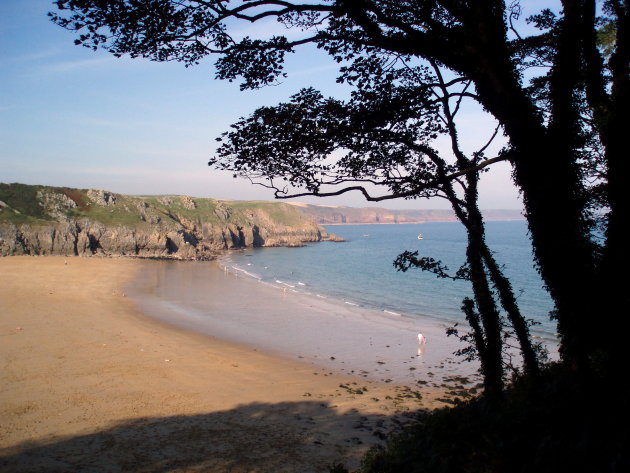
[(21, 203), (34, 204)]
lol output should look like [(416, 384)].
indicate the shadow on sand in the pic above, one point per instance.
[(286, 437)]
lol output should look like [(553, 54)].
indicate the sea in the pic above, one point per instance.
[(343, 306), (360, 271)]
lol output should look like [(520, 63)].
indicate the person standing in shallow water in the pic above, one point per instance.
[(422, 340)]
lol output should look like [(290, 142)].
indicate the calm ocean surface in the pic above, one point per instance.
[(360, 272)]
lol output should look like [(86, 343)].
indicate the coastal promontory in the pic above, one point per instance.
[(43, 220)]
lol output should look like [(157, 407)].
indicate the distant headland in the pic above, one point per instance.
[(332, 215)]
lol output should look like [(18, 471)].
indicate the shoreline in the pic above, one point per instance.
[(86, 373), (217, 300)]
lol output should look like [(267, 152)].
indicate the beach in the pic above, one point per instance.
[(90, 383), (289, 320)]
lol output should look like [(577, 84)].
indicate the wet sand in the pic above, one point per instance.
[(293, 323), (90, 383)]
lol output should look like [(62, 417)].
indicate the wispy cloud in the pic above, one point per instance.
[(165, 174), (81, 64), (88, 172), (101, 122), (34, 56)]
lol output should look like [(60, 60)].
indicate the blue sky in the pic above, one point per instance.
[(73, 117)]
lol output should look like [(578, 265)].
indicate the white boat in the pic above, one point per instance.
[(420, 237)]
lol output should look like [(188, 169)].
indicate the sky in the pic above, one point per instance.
[(73, 117)]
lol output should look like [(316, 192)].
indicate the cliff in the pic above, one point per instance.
[(41, 220), (330, 215)]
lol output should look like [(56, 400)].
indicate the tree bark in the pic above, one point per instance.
[(493, 366), (508, 301), (546, 170)]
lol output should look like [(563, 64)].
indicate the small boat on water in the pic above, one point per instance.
[(420, 237)]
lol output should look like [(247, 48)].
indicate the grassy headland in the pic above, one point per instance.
[(61, 220)]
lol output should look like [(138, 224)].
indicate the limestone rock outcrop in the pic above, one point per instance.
[(40, 220)]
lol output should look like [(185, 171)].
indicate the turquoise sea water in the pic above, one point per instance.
[(360, 272)]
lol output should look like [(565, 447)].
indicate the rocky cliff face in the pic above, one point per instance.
[(40, 220)]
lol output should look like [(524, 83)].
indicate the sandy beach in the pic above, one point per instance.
[(228, 302), (89, 383)]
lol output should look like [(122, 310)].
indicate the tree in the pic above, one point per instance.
[(382, 137), (563, 124)]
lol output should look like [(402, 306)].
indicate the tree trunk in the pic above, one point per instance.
[(616, 258), (547, 172), (508, 301), (492, 361), (493, 366)]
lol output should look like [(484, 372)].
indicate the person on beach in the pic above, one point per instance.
[(422, 340)]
